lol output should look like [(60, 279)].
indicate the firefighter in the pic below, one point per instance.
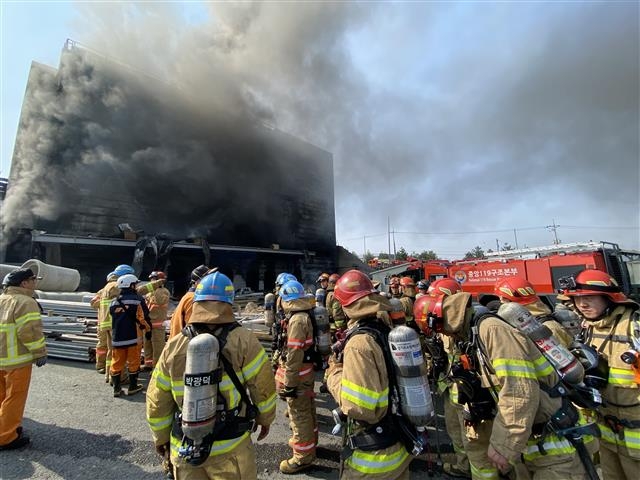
[(612, 326), (157, 298), (323, 281), (359, 382), (105, 297), (520, 290), (181, 314), (295, 376), (408, 289), (509, 414), (422, 286), (394, 287), (129, 314), (337, 318), (453, 411), (21, 344), (232, 454), (104, 326)]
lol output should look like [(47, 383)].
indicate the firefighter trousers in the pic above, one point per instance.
[(108, 357), (153, 348), (454, 424), (476, 444), (102, 348), (616, 462), (304, 427), (129, 355), (239, 464), (14, 388)]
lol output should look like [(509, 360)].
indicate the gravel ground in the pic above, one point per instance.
[(79, 431)]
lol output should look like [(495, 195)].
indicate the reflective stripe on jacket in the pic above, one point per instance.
[(21, 337)]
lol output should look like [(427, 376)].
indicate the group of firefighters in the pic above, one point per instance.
[(510, 407)]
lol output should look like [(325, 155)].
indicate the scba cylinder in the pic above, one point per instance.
[(411, 375), (200, 389), (321, 295), (397, 312), (323, 330), (269, 309), (567, 366)]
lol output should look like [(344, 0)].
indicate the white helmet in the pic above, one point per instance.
[(125, 281)]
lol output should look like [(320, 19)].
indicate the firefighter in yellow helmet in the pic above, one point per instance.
[(359, 382), (232, 454), (103, 347), (612, 326), (21, 345), (503, 383), (295, 377), (157, 298)]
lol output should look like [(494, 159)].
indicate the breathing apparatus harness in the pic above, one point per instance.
[(563, 422), (394, 427), (229, 423)]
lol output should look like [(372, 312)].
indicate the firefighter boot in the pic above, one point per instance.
[(117, 389), (291, 466), (134, 386)]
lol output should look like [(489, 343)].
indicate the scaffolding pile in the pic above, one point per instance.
[(70, 329)]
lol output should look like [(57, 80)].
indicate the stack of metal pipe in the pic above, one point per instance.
[(69, 336)]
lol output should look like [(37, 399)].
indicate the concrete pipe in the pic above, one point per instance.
[(54, 278), (83, 297)]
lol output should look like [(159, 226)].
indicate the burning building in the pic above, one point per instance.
[(113, 166)]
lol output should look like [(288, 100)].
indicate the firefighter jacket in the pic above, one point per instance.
[(520, 376), (157, 298), (407, 306), (129, 312), (296, 366), (360, 385), (619, 420), (165, 392), (21, 338), (336, 315), (102, 301), (182, 313)]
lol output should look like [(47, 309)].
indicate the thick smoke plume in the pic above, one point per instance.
[(444, 118)]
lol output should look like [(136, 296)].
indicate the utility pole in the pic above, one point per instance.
[(364, 243), (497, 245), (515, 235), (554, 228), (389, 238)]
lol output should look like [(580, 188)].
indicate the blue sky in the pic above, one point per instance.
[(457, 121)]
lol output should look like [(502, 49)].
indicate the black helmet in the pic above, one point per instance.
[(200, 271)]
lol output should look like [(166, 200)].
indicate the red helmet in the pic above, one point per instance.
[(352, 286), (407, 282), (157, 276), (444, 286), (516, 289), (427, 313), (333, 278), (596, 282)]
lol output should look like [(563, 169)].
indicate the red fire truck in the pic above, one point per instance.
[(542, 266)]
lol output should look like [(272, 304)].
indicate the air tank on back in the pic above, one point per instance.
[(397, 312), (411, 375), (323, 330), (567, 366)]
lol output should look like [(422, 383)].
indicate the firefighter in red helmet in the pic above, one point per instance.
[(506, 387), (359, 382), (408, 289), (521, 291), (612, 326)]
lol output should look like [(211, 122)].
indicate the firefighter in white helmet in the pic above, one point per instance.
[(157, 298), (232, 455), (612, 326), (510, 393), (358, 380), (295, 376)]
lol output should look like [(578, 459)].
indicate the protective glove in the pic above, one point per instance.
[(147, 335), (289, 392), (41, 361)]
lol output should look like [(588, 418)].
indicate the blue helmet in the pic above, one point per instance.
[(215, 287), (123, 270), (292, 290), (283, 278)]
